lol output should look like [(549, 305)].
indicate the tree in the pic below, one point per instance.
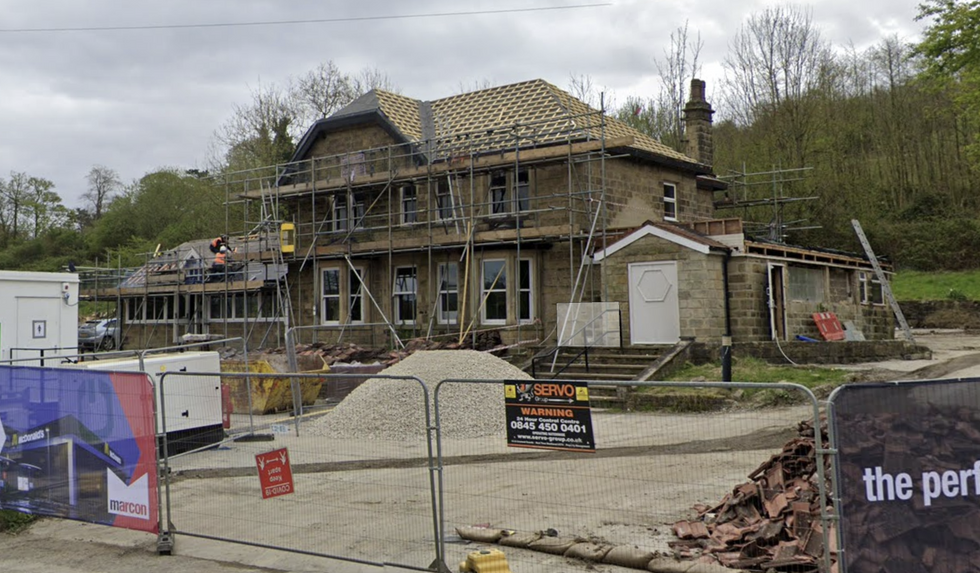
[(44, 206), (662, 115), (263, 133), (776, 63), (103, 183)]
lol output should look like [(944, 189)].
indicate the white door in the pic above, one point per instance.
[(654, 312)]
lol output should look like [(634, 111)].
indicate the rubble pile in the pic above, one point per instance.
[(769, 523), (315, 355)]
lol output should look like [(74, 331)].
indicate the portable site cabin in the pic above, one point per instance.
[(38, 314)]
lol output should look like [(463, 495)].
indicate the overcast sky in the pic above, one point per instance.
[(136, 100)]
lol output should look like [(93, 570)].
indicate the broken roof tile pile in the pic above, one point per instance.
[(769, 523)]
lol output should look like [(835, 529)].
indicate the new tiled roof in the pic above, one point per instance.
[(530, 113)]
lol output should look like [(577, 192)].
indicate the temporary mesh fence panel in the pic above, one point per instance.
[(78, 445), (730, 486), (351, 482), (909, 475)]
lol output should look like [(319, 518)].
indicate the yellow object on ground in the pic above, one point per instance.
[(485, 561), (268, 394)]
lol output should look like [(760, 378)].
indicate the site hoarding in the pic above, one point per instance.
[(908, 475), (79, 445)]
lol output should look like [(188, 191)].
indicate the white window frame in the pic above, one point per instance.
[(333, 296), (409, 200), (520, 290), (444, 316), (355, 290), (670, 201), (143, 310), (868, 286), (499, 287), (400, 293)]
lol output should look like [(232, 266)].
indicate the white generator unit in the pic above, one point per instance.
[(191, 404), (38, 315)]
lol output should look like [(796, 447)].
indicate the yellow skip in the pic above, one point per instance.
[(485, 561)]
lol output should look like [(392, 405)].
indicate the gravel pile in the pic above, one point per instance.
[(382, 409)]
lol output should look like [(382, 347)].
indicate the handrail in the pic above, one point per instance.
[(557, 348)]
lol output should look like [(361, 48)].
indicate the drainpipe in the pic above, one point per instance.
[(726, 339)]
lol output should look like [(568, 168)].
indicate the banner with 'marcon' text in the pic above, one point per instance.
[(908, 475), (79, 444)]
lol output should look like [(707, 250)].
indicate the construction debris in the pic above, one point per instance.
[(771, 523)]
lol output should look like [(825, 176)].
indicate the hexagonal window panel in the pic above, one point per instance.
[(653, 285)]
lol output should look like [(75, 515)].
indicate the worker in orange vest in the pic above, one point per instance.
[(220, 260)]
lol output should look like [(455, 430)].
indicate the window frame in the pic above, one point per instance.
[(816, 290), (868, 287), (521, 290), (445, 210), (333, 296), (497, 289), (444, 316), (670, 201), (409, 211), (522, 190), (358, 294), (400, 296), (340, 203), (497, 194)]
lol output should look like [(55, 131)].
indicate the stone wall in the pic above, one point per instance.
[(815, 352), (942, 314)]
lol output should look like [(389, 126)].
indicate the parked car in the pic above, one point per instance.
[(98, 334)]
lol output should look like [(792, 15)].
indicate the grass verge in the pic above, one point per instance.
[(14, 521)]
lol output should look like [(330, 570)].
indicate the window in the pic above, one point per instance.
[(444, 201), (340, 222), (448, 293), (670, 201), (357, 210), (806, 284), (494, 291), (498, 193), (352, 165), (149, 310), (355, 299), (330, 313), (409, 204), (522, 192), (525, 291), (406, 285), (870, 289)]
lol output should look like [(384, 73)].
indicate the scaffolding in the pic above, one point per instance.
[(442, 200)]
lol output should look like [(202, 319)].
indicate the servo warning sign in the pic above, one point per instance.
[(549, 415)]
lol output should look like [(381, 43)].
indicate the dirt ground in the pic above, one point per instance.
[(647, 472)]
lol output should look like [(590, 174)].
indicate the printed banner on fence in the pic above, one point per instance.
[(549, 415), (909, 475), (80, 445)]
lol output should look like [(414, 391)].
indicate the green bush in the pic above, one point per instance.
[(14, 521)]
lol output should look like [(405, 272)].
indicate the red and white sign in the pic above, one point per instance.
[(275, 474)]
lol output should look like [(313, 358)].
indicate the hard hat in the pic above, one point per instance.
[(223, 249)]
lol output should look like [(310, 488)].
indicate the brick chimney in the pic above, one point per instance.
[(697, 125)]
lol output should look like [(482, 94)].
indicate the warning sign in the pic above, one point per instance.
[(549, 415), (275, 475)]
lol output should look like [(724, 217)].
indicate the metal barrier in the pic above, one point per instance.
[(354, 493), (647, 472)]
